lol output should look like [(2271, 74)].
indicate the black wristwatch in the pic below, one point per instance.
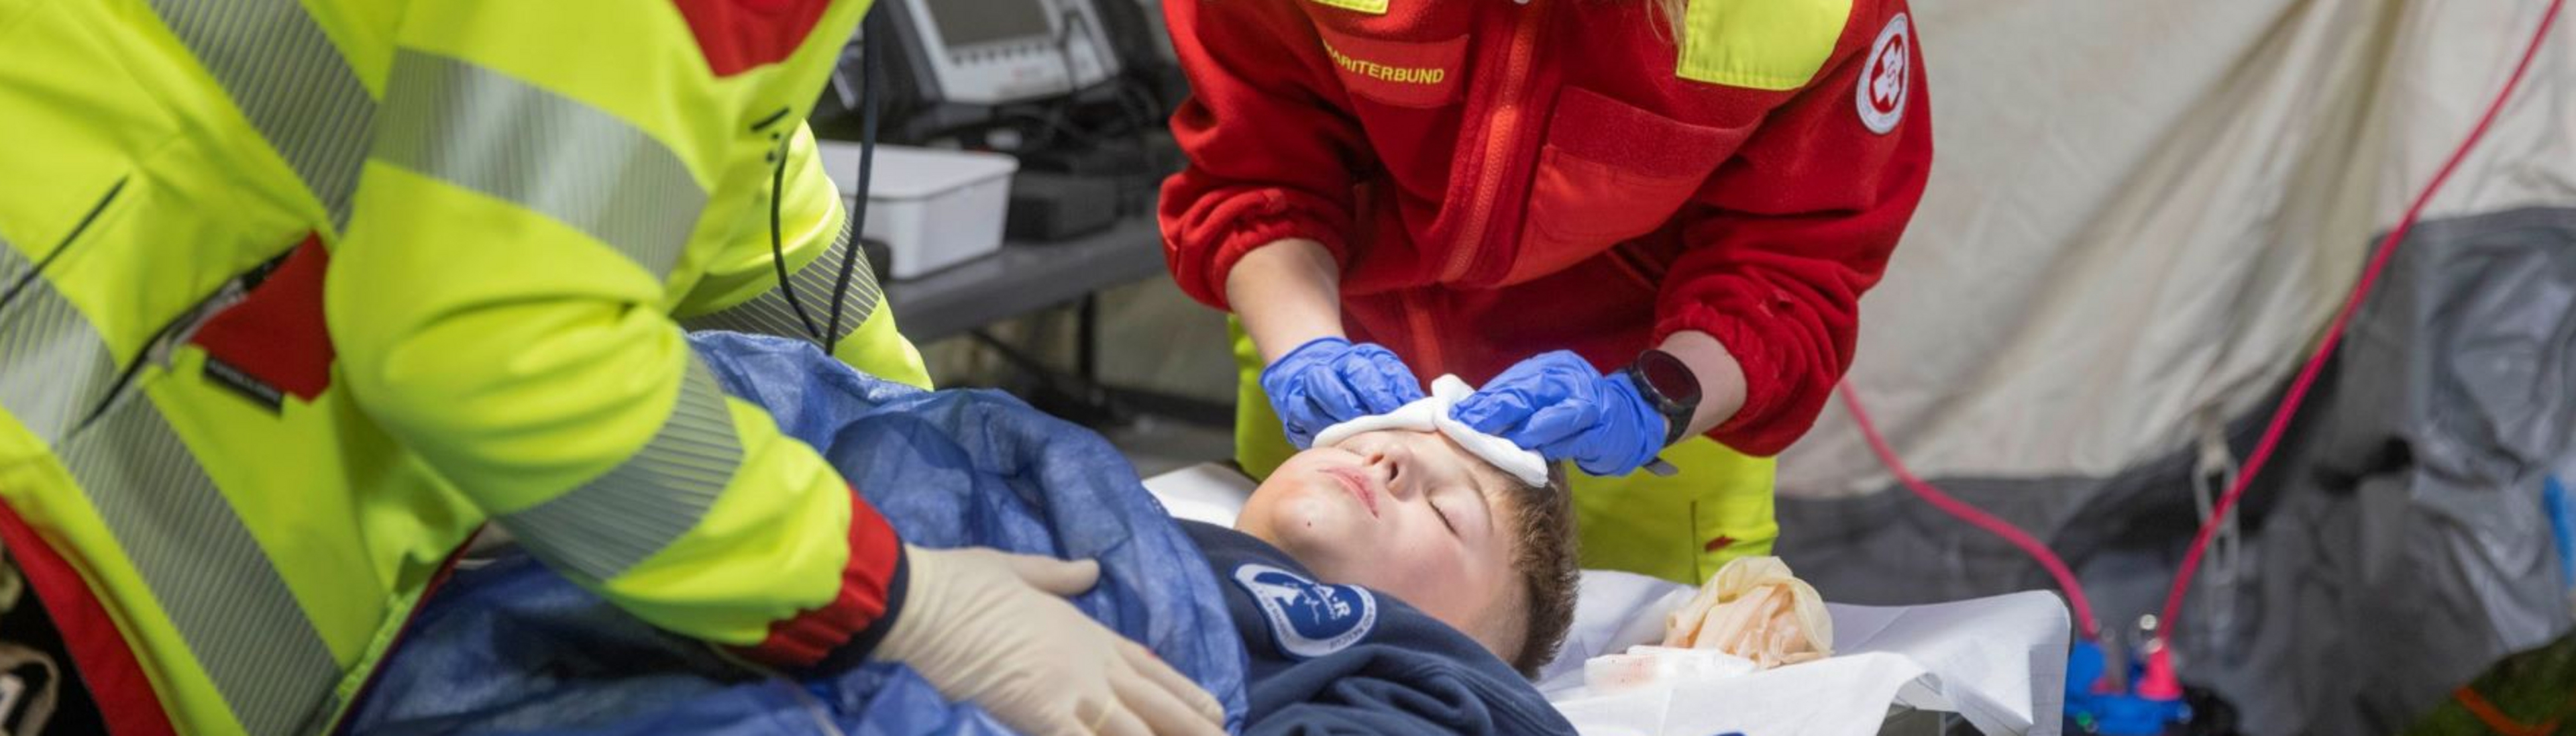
[(1668, 384)]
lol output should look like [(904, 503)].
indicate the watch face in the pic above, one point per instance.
[(1668, 376)]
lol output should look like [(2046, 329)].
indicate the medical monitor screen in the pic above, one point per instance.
[(972, 22)]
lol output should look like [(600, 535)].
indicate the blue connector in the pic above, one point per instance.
[(2553, 499), (2095, 705)]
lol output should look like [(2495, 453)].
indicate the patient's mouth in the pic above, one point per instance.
[(1357, 484)]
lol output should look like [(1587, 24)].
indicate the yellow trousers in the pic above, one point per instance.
[(1680, 528)]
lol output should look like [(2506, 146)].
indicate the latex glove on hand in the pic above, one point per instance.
[(1757, 609), (993, 628), (1329, 380), (1556, 404)]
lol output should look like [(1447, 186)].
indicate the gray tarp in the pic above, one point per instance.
[(2396, 547)]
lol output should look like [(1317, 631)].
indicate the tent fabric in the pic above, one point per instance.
[(2397, 548), (2143, 214), (2415, 534), (511, 647), (2140, 221)]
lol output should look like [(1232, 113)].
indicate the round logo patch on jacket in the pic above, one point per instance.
[(1308, 619), (1886, 75)]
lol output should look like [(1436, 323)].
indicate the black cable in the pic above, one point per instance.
[(1049, 119), (1119, 85), (1152, 93), (1139, 118), (1134, 99), (778, 251), (1050, 125), (868, 90)]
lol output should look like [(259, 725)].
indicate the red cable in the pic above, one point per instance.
[(2496, 720), (2334, 335), (1973, 515), (2271, 435)]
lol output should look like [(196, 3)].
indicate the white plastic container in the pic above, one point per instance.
[(933, 208)]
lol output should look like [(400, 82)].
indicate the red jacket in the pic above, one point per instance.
[(1499, 179)]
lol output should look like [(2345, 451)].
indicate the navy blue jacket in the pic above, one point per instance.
[(1340, 659)]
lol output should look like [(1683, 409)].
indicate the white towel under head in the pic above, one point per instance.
[(1431, 413)]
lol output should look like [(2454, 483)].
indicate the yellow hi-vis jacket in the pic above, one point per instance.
[(295, 296)]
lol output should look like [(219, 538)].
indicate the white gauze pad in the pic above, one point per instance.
[(1431, 413)]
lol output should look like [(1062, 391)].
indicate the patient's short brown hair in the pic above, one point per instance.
[(1550, 577)]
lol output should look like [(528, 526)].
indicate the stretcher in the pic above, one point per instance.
[(1998, 663)]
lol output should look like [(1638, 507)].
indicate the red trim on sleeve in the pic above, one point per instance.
[(115, 678), (866, 596), (737, 35)]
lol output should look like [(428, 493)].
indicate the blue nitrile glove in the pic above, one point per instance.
[(1556, 404), (1328, 381)]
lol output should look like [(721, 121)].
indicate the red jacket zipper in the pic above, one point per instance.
[(1499, 140)]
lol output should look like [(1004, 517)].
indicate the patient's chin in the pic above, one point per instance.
[(1313, 520), (1308, 526), (1287, 515)]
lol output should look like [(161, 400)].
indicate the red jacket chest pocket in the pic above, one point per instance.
[(1608, 172)]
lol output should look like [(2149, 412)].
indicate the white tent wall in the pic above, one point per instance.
[(2142, 215), (2141, 219)]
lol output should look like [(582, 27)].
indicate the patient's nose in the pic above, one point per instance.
[(1389, 463)]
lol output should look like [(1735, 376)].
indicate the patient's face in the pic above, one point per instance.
[(1407, 513)]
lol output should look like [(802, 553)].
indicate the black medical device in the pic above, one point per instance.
[(1078, 90), (990, 52), (949, 64)]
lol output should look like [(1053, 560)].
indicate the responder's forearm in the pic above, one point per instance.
[(1721, 379), (1287, 293)]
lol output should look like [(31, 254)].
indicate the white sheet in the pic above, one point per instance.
[(1205, 492), (1999, 662), (1996, 661)]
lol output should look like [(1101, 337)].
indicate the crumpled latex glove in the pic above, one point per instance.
[(1755, 609), (993, 628), (1330, 380), (1557, 404)]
